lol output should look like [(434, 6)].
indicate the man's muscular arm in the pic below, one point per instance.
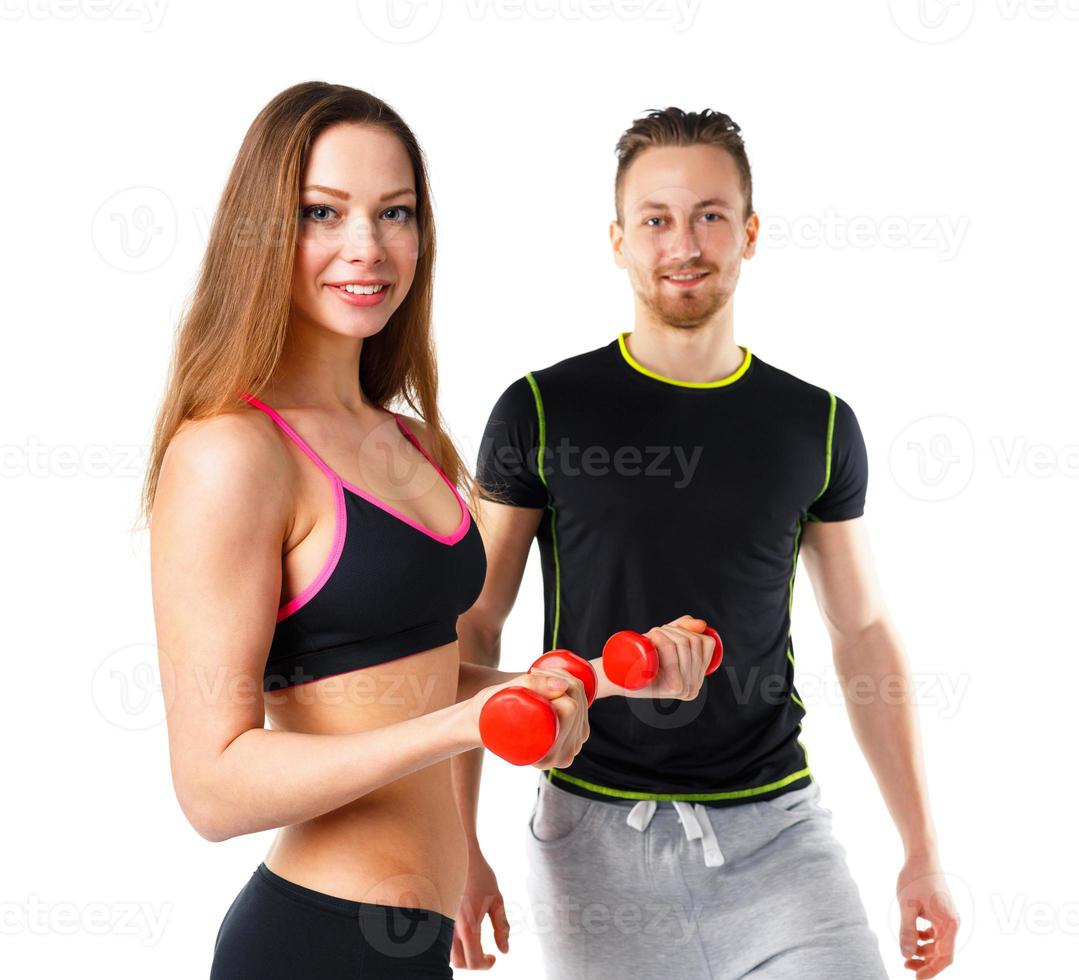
[(876, 680)]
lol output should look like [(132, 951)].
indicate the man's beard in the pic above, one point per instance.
[(678, 313)]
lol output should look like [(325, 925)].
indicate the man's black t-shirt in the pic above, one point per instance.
[(661, 498)]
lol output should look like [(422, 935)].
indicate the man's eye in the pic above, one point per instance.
[(648, 220), (309, 212), (712, 214), (402, 211)]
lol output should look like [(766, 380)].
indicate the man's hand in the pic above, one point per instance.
[(684, 655), (481, 897), (922, 891)]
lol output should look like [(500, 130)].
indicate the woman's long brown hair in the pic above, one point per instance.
[(232, 334)]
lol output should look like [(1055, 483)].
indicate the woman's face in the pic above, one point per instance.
[(357, 229)]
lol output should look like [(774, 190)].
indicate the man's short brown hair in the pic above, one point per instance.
[(674, 127)]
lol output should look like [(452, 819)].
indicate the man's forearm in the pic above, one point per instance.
[(879, 694)]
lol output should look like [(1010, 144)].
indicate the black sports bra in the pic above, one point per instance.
[(389, 587)]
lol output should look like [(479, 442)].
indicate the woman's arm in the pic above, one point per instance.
[(220, 518), (266, 779)]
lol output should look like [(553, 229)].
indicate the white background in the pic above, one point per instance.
[(915, 169)]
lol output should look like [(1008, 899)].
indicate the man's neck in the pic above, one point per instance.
[(701, 354)]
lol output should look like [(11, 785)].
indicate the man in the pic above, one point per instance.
[(672, 470)]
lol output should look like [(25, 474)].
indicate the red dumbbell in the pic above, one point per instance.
[(520, 725), (630, 660)]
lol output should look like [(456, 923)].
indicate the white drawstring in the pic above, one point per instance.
[(713, 856), (641, 815), (695, 821)]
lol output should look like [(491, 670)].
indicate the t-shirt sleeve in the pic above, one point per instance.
[(507, 468), (844, 496)]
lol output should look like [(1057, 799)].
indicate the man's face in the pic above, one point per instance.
[(683, 238)]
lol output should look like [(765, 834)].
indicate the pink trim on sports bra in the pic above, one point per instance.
[(452, 538), (307, 594)]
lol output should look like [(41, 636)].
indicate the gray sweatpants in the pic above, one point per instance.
[(627, 890)]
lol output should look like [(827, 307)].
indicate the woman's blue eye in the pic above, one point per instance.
[(405, 213), (307, 212)]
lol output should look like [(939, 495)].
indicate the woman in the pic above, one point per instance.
[(343, 548), (310, 554)]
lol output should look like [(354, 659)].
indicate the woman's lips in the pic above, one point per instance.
[(360, 299)]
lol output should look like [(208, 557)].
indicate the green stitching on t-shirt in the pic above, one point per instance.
[(540, 452), (735, 794), (827, 448)]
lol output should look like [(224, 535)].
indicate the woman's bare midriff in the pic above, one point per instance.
[(403, 843)]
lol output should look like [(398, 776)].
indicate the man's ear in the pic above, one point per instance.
[(618, 239), (753, 230)]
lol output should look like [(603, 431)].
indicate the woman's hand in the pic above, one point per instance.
[(567, 698)]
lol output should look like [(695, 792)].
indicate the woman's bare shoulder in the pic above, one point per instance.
[(232, 453)]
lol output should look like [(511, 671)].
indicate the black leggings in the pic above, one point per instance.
[(278, 930)]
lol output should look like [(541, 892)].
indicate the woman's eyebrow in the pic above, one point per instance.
[(345, 196), (398, 193), (333, 191)]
